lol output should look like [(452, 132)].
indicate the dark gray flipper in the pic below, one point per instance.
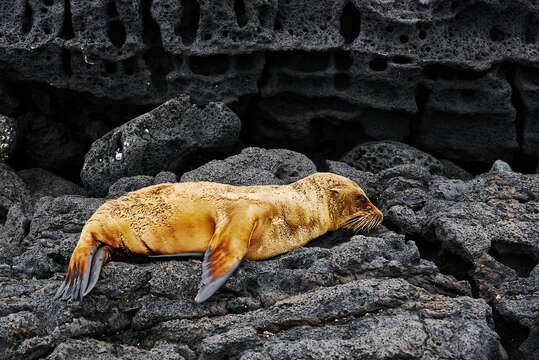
[(86, 276), (176, 256), (60, 290), (79, 285), (209, 284), (95, 271)]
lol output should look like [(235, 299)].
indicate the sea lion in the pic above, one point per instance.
[(223, 223)]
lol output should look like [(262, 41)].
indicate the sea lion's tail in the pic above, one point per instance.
[(84, 267)]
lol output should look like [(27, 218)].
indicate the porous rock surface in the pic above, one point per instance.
[(418, 286), (484, 230), (171, 137), (458, 78), (8, 137)]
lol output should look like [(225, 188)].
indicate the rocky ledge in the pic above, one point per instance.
[(451, 273)]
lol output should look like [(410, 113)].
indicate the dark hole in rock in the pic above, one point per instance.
[(241, 16), (28, 18), (303, 61), (309, 61), (350, 23), (112, 12), (67, 26), (512, 334), (188, 27), (48, 2), (47, 30), (332, 137), (343, 60), (130, 66), (209, 65), (496, 34), (277, 25), (341, 81), (532, 29), (110, 67), (246, 62), (3, 215), (66, 63), (389, 28), (447, 262), (435, 72), (521, 262), (59, 259), (399, 59), (116, 33), (378, 64), (403, 39), (422, 34), (264, 15)]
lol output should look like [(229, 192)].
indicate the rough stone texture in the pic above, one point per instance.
[(53, 234), (127, 184), (13, 190), (381, 155), (483, 230), (255, 166), (8, 137), (368, 287), (41, 183), (335, 298), (437, 74), (171, 137), (94, 349)]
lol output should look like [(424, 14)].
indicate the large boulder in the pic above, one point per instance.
[(171, 137), (255, 166)]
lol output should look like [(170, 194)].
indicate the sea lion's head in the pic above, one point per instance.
[(348, 204)]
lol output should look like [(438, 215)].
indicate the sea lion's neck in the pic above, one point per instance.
[(315, 204)]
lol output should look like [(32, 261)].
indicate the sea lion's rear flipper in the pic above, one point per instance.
[(227, 249), (175, 256), (84, 269), (92, 274)]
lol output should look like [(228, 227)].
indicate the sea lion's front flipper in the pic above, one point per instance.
[(227, 249)]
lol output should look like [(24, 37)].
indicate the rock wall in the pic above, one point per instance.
[(456, 78)]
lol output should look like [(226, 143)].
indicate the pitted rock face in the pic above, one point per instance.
[(436, 73), (377, 156)]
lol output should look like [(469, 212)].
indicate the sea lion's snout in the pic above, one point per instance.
[(365, 216)]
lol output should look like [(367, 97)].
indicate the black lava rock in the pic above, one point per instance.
[(171, 137)]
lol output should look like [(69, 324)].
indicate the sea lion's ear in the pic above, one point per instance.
[(337, 189), (227, 249)]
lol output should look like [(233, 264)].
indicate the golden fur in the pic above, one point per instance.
[(233, 222)]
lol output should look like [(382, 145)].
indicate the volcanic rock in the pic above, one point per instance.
[(170, 137)]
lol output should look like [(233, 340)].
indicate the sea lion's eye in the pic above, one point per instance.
[(362, 199)]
